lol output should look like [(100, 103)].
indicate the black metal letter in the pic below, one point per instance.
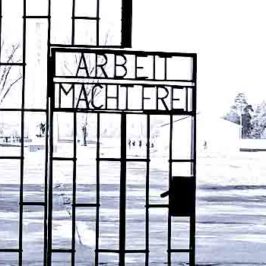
[(122, 65), (82, 66), (161, 97), (139, 67), (93, 94), (101, 66), (83, 97)]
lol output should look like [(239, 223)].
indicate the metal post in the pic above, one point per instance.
[(192, 244), (20, 262), (126, 32), (122, 215)]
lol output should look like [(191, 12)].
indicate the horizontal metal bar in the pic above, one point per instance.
[(182, 176), (86, 18), (12, 64), (136, 251), (113, 111), (37, 17), (109, 159), (118, 251), (84, 205), (116, 81), (158, 206), (181, 160), (71, 110), (59, 250), (31, 203), (10, 250), (104, 49), (107, 251), (37, 110), (64, 159), (55, 46), (137, 160), (11, 157), (170, 112), (179, 250), (119, 159), (23, 110)]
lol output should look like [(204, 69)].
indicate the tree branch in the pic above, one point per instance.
[(9, 88)]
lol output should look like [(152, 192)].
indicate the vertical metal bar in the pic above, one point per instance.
[(97, 190), (45, 247), (123, 168), (51, 152), (126, 32), (165, 68), (73, 22), (194, 155), (98, 23), (22, 137), (1, 15), (74, 188), (186, 88), (50, 189), (147, 242), (170, 179)]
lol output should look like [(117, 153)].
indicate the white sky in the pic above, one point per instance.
[(229, 37)]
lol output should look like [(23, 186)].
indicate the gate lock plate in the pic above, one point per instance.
[(181, 196)]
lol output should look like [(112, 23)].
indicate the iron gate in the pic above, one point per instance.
[(80, 192), (132, 221)]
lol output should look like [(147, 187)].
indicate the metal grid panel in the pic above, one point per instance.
[(48, 191), (123, 159), (23, 112)]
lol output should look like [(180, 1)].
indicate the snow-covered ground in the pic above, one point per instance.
[(231, 224), (231, 208)]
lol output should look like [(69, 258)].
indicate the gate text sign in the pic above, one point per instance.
[(123, 80)]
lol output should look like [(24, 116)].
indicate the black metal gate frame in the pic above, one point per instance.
[(123, 160), (48, 111), (125, 42), (23, 110)]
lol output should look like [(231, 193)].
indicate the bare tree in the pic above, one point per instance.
[(7, 82)]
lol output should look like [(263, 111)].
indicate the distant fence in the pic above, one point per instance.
[(251, 145)]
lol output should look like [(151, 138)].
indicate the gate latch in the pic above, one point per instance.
[(181, 196)]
